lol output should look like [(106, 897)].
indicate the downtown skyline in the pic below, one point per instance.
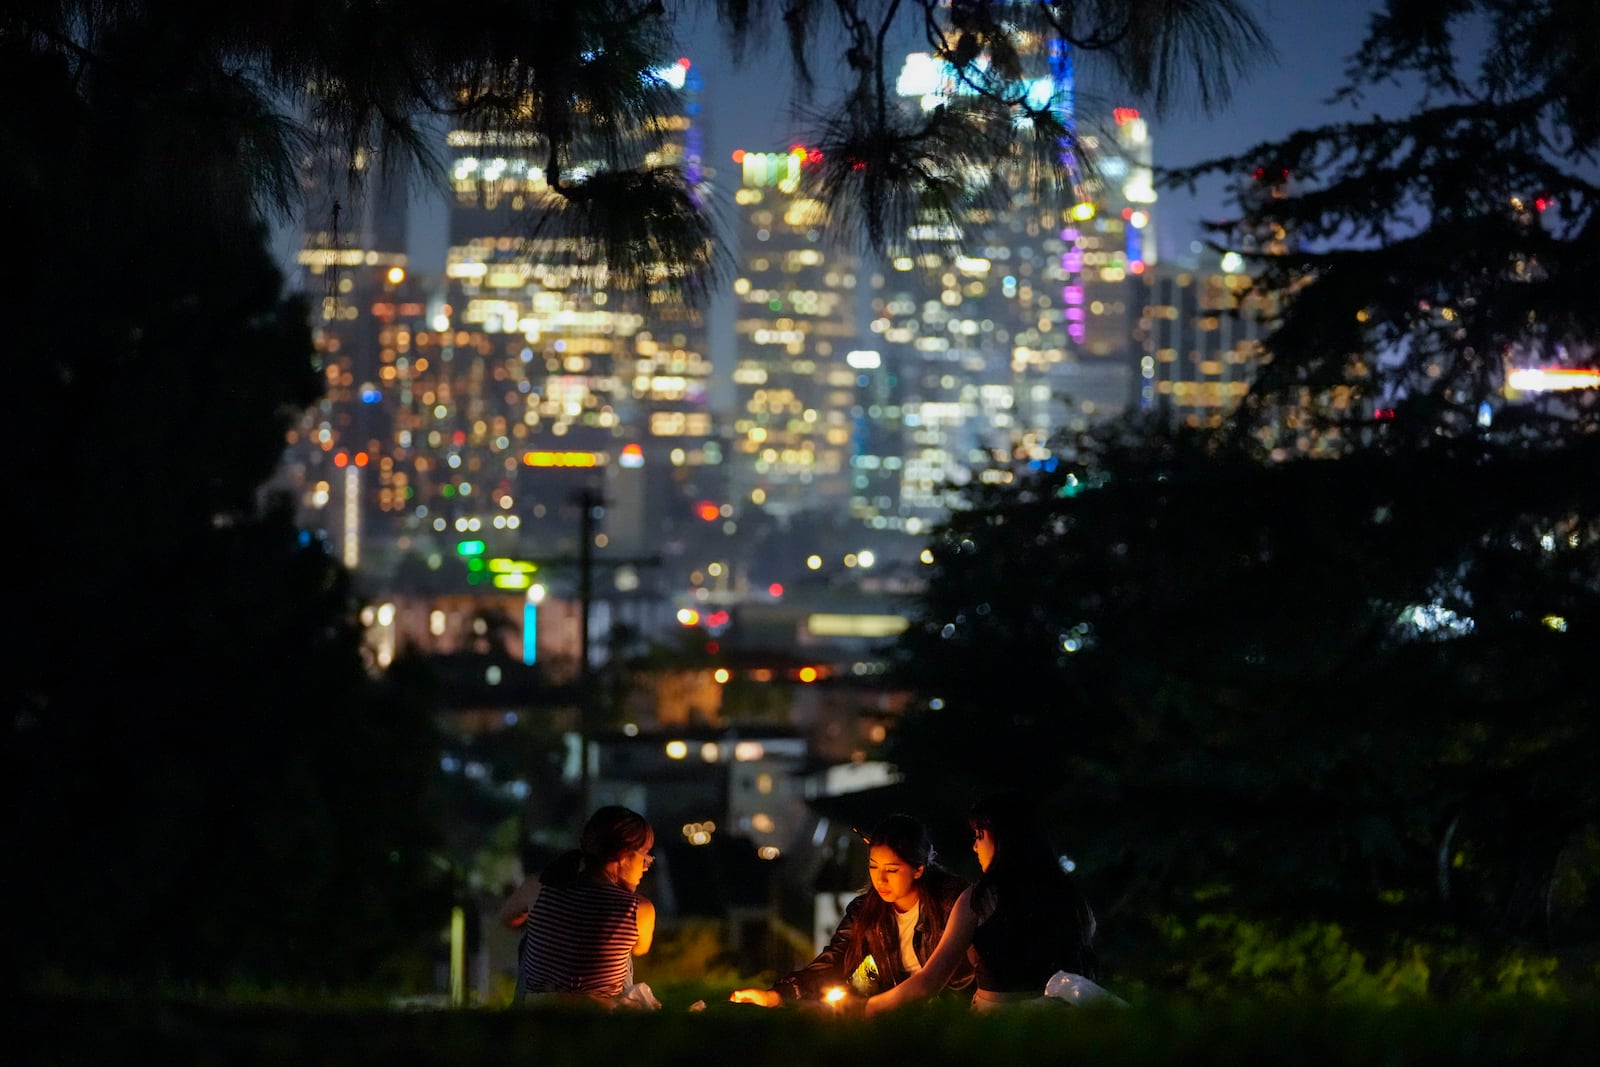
[(822, 409)]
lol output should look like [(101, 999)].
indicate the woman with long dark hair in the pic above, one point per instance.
[(888, 931), (1022, 921), (582, 917)]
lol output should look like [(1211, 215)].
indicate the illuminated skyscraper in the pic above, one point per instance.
[(481, 412), (1200, 344), (1200, 333), (344, 464), (794, 324), (1030, 331), (562, 381)]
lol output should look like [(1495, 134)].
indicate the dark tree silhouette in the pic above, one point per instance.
[(579, 83), (1330, 666), (1344, 692), (1420, 258), (208, 784)]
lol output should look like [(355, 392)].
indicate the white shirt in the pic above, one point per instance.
[(908, 937)]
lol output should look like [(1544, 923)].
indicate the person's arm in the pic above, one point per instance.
[(827, 969), (953, 945), (645, 918), (514, 912)]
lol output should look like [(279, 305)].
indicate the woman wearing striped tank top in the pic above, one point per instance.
[(582, 918)]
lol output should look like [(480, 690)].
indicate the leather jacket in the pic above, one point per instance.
[(843, 954)]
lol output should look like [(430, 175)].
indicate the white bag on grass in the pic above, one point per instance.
[(638, 995), (1075, 989)]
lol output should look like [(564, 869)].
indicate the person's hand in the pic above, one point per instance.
[(767, 998)]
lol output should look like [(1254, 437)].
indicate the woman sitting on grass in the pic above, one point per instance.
[(1023, 920), (582, 917), (888, 931)]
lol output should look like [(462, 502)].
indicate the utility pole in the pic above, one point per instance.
[(591, 505)]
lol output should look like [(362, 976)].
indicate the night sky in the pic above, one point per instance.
[(750, 108)]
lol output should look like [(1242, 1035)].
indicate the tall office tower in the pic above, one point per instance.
[(1029, 332), (1201, 329), (343, 464), (1297, 425), (561, 383), (794, 325), (877, 442), (1200, 332), (1106, 241)]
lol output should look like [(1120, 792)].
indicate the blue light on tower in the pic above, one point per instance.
[(530, 624)]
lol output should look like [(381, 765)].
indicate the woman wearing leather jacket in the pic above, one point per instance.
[(887, 931)]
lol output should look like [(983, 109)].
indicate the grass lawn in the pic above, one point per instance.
[(80, 1030)]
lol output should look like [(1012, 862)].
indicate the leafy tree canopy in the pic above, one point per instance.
[(1418, 258), (578, 82), (1327, 669), (1353, 692)]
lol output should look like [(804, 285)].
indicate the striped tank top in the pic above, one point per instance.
[(579, 939)]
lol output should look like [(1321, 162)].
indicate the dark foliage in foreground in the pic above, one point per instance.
[(1312, 696), (207, 783), (1306, 1032), (1419, 257), (1367, 706)]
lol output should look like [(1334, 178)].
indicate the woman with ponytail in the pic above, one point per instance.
[(582, 918)]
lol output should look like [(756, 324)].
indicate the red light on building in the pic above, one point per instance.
[(775, 589), (707, 511)]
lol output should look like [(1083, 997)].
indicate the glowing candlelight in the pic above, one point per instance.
[(835, 996)]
